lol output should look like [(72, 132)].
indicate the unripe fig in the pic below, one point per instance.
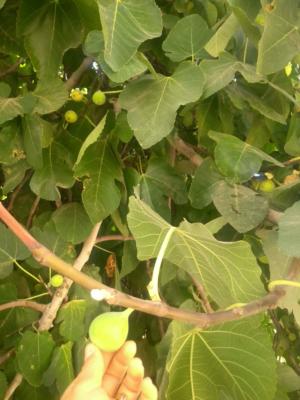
[(99, 98), (57, 280), (71, 117), (77, 95), (109, 331), (267, 186)]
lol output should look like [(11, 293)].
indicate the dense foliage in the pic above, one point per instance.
[(144, 115)]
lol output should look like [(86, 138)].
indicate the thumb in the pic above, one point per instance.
[(92, 370)]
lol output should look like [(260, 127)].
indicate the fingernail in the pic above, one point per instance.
[(89, 351)]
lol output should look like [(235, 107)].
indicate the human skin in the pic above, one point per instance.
[(108, 376)]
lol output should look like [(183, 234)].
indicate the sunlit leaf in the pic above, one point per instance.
[(232, 361), (126, 24), (100, 195), (228, 270)]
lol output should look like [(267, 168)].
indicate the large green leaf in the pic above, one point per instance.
[(187, 38), (10, 249), (204, 183), (232, 361), (50, 95), (246, 11), (152, 103), (279, 264), (92, 137), (71, 320), (49, 28), (100, 194), (228, 270), (280, 40), (33, 133), (47, 235), (94, 46), (220, 39), (238, 93), (289, 231), (126, 24), (61, 369), (237, 159), (292, 145), (13, 175), (219, 73), (241, 207), (72, 222), (34, 355), (56, 172), (11, 144), (159, 183), (12, 107)]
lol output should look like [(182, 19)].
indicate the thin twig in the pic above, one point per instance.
[(16, 382), (6, 356), (76, 75), (108, 238), (23, 303), (46, 321), (202, 295), (32, 211), (187, 151), (17, 191), (11, 69)]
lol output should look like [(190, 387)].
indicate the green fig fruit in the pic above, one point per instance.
[(109, 331), (99, 98), (57, 280), (267, 186)]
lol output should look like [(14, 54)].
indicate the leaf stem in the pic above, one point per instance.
[(153, 285), (150, 67), (282, 282), (26, 272)]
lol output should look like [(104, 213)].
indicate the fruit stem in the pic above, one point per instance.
[(153, 285), (112, 91)]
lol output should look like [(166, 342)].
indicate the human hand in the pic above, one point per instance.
[(110, 376)]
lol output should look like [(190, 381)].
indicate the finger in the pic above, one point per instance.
[(109, 356), (149, 391), (131, 385), (117, 368), (92, 371)]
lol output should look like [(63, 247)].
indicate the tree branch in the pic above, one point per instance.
[(23, 303), (202, 295), (187, 151), (46, 321), (47, 258)]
